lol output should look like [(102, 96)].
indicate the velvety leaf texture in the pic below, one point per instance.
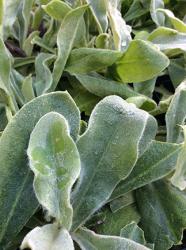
[(109, 158)]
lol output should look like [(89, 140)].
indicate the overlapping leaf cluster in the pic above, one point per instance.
[(92, 123)]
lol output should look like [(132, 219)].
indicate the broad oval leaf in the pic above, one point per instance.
[(48, 237), (16, 178), (88, 240), (119, 133), (158, 161), (142, 61), (162, 208), (55, 161)]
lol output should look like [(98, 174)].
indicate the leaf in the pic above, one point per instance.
[(99, 11), (121, 202), (101, 86), (142, 102), (178, 179), (57, 9), (158, 161), (176, 114), (48, 237), (145, 88), (103, 162), (121, 31), (44, 77), (168, 39), (157, 17), (133, 232), (55, 161), (15, 208), (88, 240), (65, 40), (176, 22), (85, 60), (113, 222), (177, 71), (10, 13), (137, 9), (24, 19), (27, 89), (1, 18), (142, 61), (162, 206)]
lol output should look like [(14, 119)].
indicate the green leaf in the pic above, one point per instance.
[(157, 17), (101, 86), (65, 40), (168, 39), (57, 9), (121, 31), (27, 89), (137, 9), (55, 161), (48, 237), (99, 11), (176, 22), (113, 222), (176, 114), (88, 240), (133, 232), (142, 61), (44, 79), (177, 71), (16, 178), (85, 60), (162, 208), (11, 9), (158, 161), (179, 177), (146, 88), (24, 16), (104, 163), (121, 202), (1, 17)]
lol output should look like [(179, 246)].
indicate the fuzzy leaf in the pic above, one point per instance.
[(162, 206), (55, 161), (179, 177), (109, 158), (16, 178), (48, 237), (85, 60), (158, 161), (88, 240), (176, 114), (65, 41), (142, 61)]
